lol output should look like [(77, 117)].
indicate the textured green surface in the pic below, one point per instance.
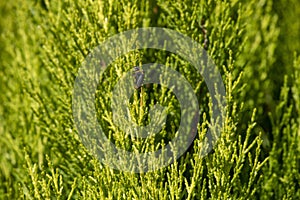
[(255, 45)]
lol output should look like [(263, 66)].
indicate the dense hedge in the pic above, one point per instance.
[(255, 45)]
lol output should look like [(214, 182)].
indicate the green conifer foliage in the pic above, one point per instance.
[(255, 46)]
